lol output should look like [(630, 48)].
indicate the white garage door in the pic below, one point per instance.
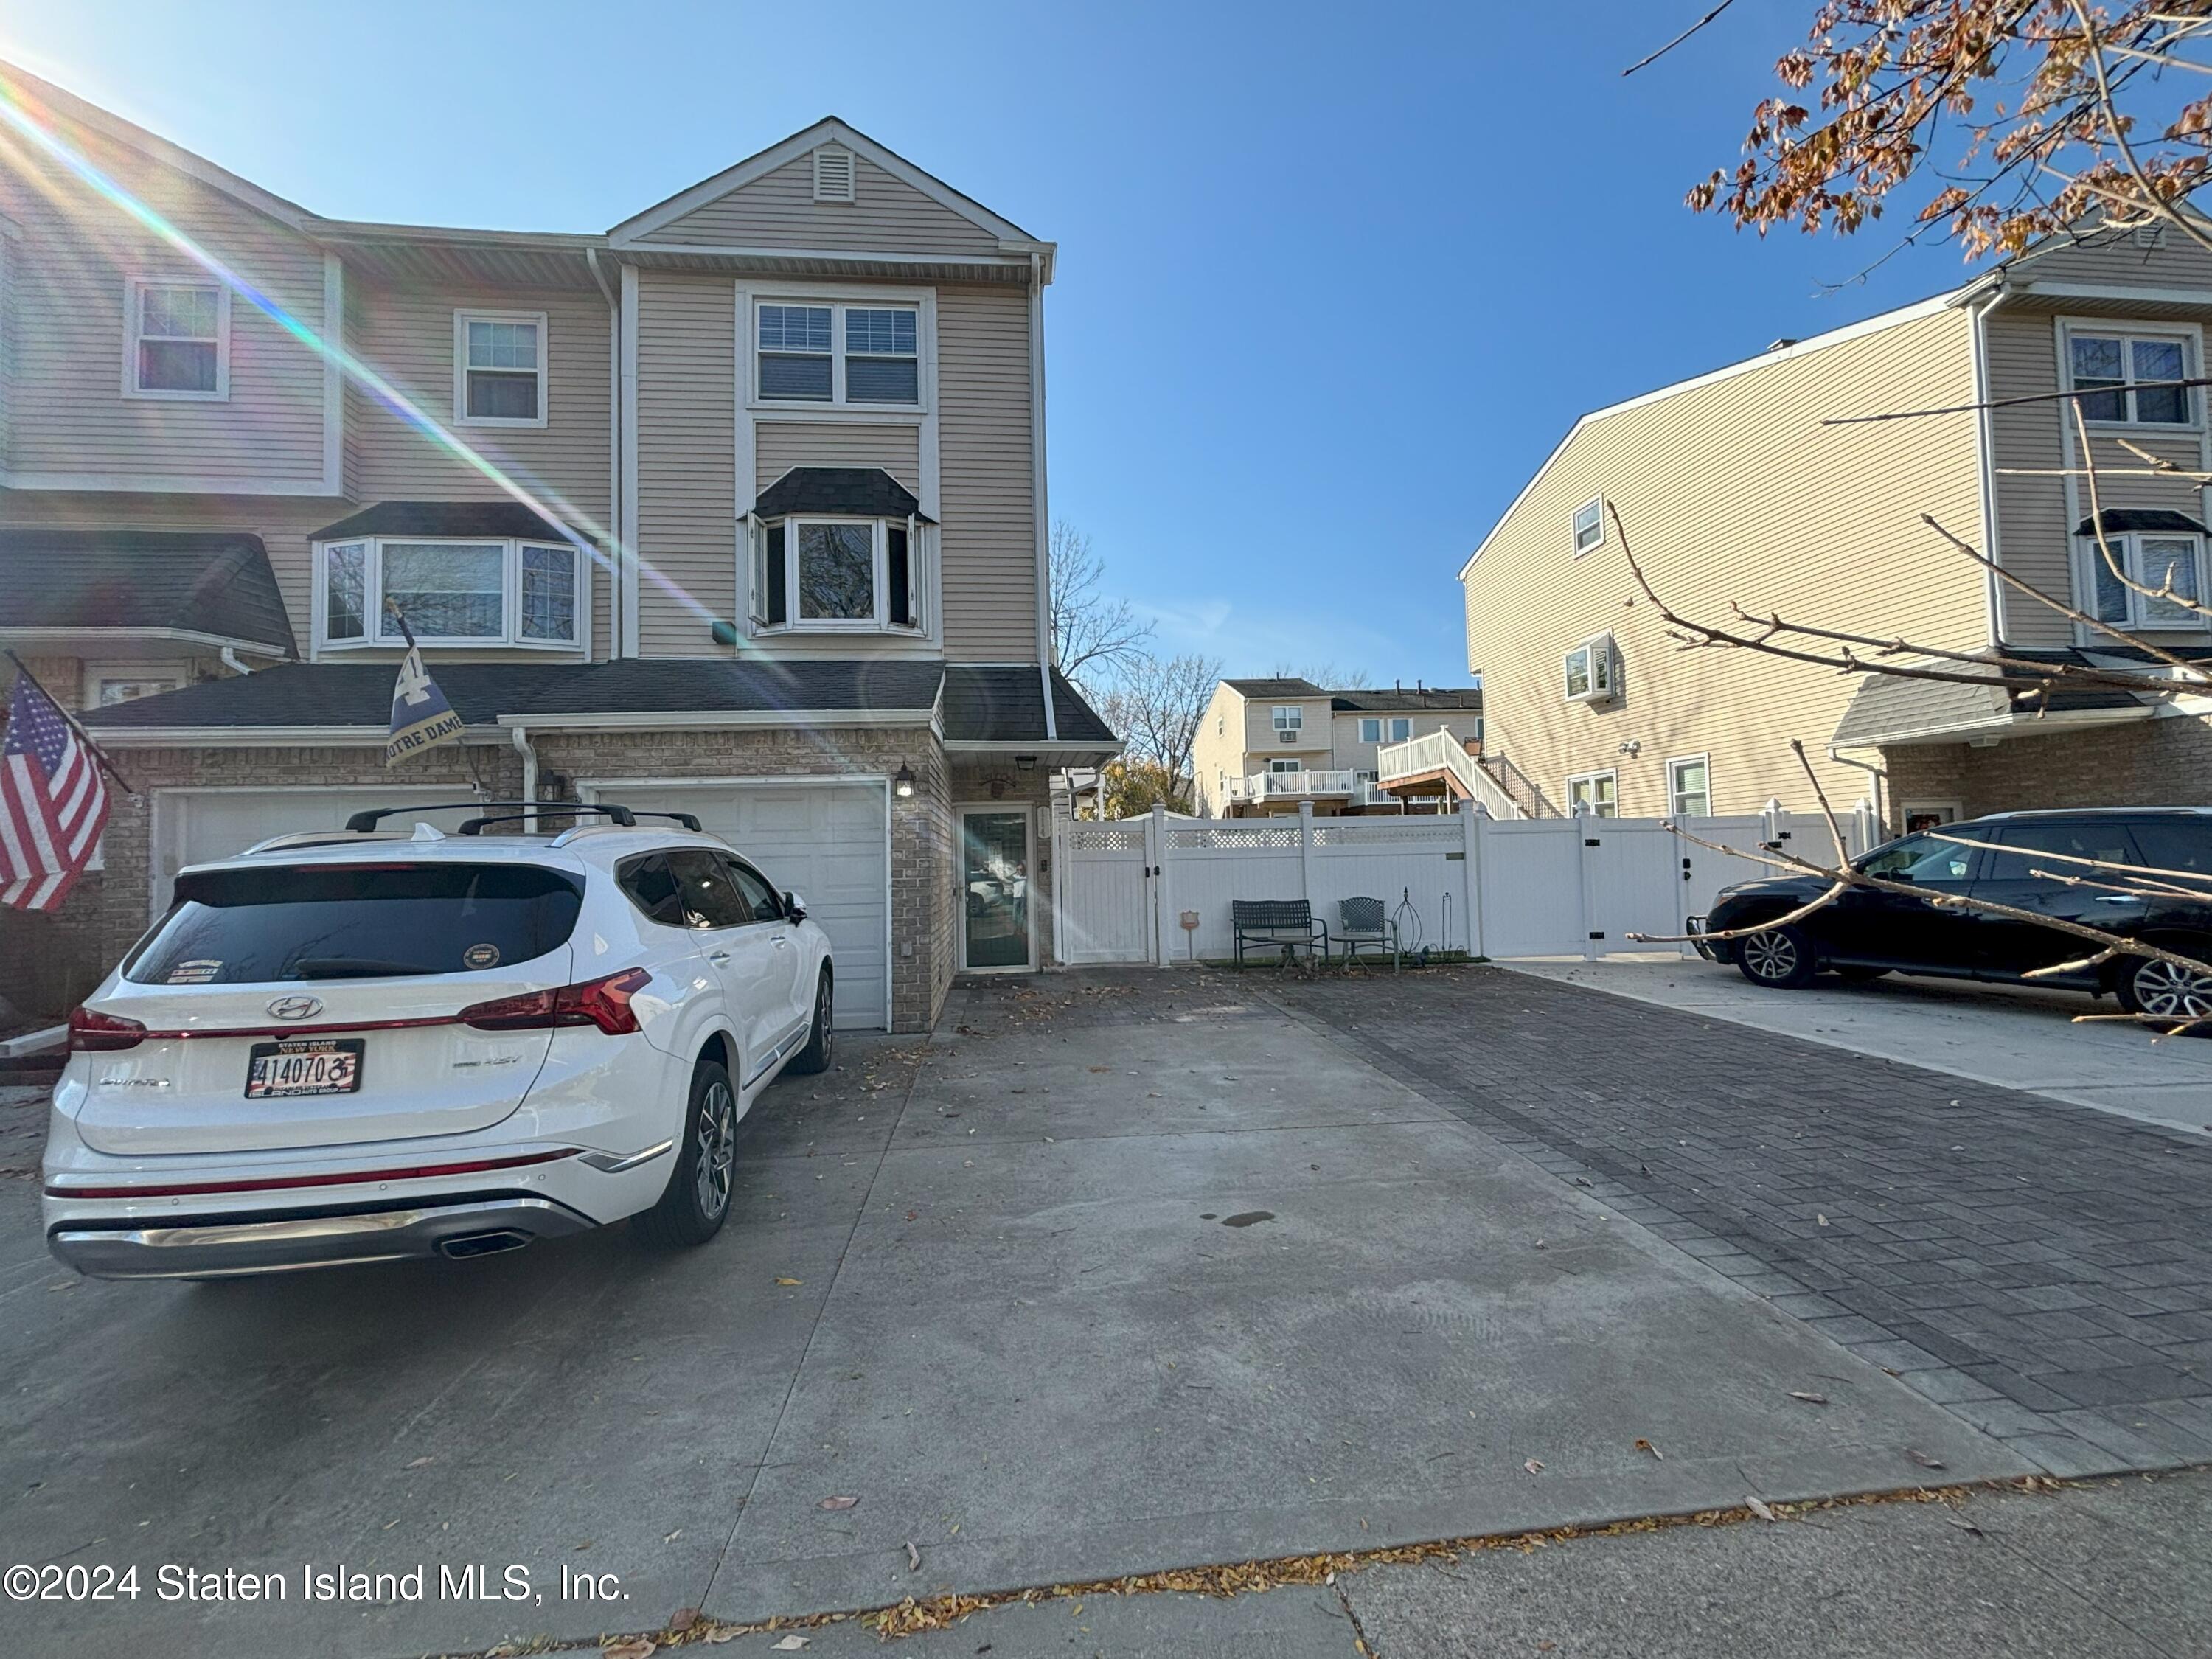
[(829, 843), (192, 826)]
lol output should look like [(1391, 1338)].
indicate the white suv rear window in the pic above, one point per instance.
[(264, 927)]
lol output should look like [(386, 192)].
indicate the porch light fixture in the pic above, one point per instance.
[(903, 785)]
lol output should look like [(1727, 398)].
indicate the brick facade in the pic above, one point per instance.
[(48, 962), (2150, 763)]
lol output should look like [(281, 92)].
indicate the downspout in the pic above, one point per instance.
[(1984, 440), (1878, 774), (229, 655), (1038, 493), (529, 778), (614, 454)]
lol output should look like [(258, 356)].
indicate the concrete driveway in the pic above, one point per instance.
[(2016, 1036), (1120, 1271)]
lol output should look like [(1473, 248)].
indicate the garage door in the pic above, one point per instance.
[(191, 826), (827, 842)]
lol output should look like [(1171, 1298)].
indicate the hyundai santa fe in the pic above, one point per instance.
[(370, 1044), (1867, 931)]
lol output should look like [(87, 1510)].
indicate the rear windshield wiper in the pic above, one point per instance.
[(355, 968)]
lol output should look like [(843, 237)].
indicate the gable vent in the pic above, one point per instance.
[(2149, 236), (833, 174)]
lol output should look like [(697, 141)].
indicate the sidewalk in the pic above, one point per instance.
[(2114, 1568)]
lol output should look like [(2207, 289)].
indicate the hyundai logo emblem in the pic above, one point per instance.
[(296, 1007)]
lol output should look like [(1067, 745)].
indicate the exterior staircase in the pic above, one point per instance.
[(1437, 763)]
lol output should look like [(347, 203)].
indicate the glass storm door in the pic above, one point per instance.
[(995, 880)]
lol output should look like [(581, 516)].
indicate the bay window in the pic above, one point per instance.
[(837, 573), (2160, 560), (832, 352), (452, 592)]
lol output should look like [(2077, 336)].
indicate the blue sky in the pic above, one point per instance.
[(1333, 281)]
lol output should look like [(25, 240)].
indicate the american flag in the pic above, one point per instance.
[(54, 802)]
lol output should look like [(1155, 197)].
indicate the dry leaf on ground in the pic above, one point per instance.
[(790, 1281), (1923, 1458), (641, 1647), (1645, 1445), (1533, 1466), (1760, 1509), (837, 1502), (1809, 1399), (789, 1644), (684, 1619)]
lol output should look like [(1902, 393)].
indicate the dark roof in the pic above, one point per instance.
[(1006, 705), (1397, 700), (1001, 705), (501, 519), (2117, 518), (1284, 688), (866, 492), (199, 581), (1887, 707)]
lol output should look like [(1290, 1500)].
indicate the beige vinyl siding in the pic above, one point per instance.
[(1313, 746), (1733, 491), (779, 210), (687, 414), (783, 444), (72, 271), (2107, 260), (406, 334), (989, 536), (1218, 749), (1351, 754)]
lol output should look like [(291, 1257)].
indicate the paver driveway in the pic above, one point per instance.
[(1120, 1271)]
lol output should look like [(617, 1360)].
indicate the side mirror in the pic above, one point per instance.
[(794, 907)]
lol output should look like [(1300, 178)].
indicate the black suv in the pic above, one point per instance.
[(1866, 933)]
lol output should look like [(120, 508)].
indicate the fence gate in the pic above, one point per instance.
[(1105, 882)]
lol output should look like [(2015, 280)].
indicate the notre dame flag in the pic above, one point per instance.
[(421, 717)]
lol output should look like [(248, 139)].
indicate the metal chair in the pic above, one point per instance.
[(1361, 921)]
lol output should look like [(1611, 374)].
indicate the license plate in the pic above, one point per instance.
[(304, 1065)]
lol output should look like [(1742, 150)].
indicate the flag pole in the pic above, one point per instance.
[(83, 735)]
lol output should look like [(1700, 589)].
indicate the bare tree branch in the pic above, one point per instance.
[(1092, 635)]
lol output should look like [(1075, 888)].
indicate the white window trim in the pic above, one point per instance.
[(2188, 336), (462, 318), (1366, 721), (1296, 722), (2128, 545), (1604, 686), (1574, 534), (133, 292), (510, 637), (1673, 793), (839, 298), (96, 674), (1278, 767), (919, 549), (1607, 772)]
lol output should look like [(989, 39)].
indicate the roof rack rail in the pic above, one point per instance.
[(621, 817), (361, 823), (320, 838)]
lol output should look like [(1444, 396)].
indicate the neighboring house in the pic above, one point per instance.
[(780, 557), (1266, 746), (1732, 490)]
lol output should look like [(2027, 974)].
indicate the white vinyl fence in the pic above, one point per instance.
[(1159, 889)]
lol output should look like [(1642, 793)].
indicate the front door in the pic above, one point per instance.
[(1903, 930), (995, 888)]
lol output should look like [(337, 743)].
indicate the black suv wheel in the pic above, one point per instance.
[(1781, 957), (2165, 990)]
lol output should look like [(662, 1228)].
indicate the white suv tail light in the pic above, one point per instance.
[(604, 1002)]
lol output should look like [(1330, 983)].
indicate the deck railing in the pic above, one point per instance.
[(1440, 751)]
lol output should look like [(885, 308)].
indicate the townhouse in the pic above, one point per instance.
[(1737, 488), (739, 507), (1267, 745)]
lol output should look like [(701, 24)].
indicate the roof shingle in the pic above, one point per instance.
[(217, 583)]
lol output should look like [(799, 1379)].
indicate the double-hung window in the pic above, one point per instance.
[(2164, 561), (835, 574), (1279, 767), (1290, 723), (452, 592), (1593, 795), (2127, 370), (844, 354), (499, 367), (1590, 525), (1378, 730), (1689, 787), (179, 342)]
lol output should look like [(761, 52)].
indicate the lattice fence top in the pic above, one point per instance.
[(1241, 837), (1106, 838), (1389, 832)]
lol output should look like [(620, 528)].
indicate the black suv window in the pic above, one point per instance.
[(2175, 844), (759, 896), (709, 894), (1922, 859), (650, 884), (2103, 839), (253, 926)]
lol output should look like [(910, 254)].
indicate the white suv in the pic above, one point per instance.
[(366, 1044)]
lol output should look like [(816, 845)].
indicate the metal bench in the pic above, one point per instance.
[(1361, 923), (1283, 924)]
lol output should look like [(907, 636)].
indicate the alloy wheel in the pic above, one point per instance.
[(1770, 956), (823, 1013), (2171, 992), (718, 1147)]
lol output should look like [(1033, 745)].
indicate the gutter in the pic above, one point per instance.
[(615, 617), (1037, 493), (529, 775)]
